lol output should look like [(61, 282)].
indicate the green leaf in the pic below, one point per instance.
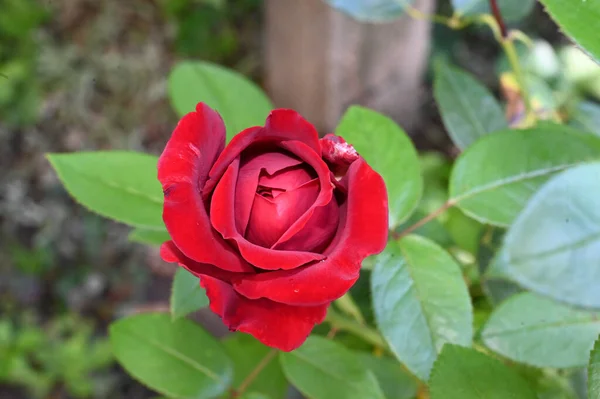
[(119, 185), (371, 10), (512, 10), (323, 369), (395, 382), (535, 330), (465, 232), (186, 294), (494, 178), (241, 103), (496, 288), (152, 237), (421, 302), (586, 117), (177, 359), (246, 353), (580, 20), (385, 146), (553, 246), (462, 373), (468, 109), (594, 372)]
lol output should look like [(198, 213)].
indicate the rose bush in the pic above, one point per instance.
[(275, 224)]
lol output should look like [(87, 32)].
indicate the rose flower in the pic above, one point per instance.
[(275, 224)]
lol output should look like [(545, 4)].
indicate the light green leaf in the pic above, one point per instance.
[(253, 395), (152, 237), (371, 10), (323, 369), (594, 372), (246, 353), (420, 301), (586, 117), (176, 358), (390, 152), (395, 382), (580, 20), (494, 178), (186, 294), (468, 109), (535, 330), (461, 373), (553, 246), (512, 10), (241, 103), (119, 185)]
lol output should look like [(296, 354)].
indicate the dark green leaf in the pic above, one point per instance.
[(497, 289), (580, 20), (177, 359), (152, 237), (421, 302), (538, 331), (246, 353), (323, 369), (115, 184), (553, 246), (385, 146), (395, 382), (494, 178), (512, 10), (594, 372), (467, 107), (461, 373), (241, 103), (186, 294), (371, 10)]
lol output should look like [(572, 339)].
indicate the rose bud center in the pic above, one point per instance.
[(279, 200)]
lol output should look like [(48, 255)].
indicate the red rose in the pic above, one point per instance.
[(272, 233)]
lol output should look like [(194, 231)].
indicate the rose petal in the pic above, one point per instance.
[(338, 154), (287, 179), (250, 168), (363, 231), (324, 198), (281, 125), (171, 254), (223, 220), (315, 234), (274, 324), (182, 169), (271, 217)]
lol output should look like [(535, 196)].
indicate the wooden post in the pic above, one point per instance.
[(319, 61)]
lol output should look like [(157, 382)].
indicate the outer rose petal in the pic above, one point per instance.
[(171, 254), (183, 169), (274, 324), (223, 220), (363, 231), (281, 125)]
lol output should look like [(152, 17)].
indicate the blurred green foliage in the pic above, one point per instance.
[(19, 86), (64, 353), (209, 29)]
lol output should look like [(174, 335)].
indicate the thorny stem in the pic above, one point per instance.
[(499, 20), (506, 40), (513, 59), (254, 373), (448, 204)]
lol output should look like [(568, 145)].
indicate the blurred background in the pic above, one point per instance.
[(79, 75)]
